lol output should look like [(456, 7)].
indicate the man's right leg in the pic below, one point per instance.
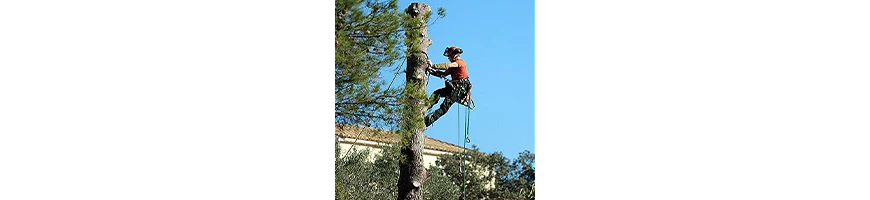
[(433, 99), (448, 102)]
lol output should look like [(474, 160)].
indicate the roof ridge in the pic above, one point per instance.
[(350, 127), (451, 144)]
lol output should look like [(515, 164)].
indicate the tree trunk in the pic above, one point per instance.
[(412, 172)]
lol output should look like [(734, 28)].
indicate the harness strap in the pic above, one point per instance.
[(461, 91)]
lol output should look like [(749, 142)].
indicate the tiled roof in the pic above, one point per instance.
[(384, 136)]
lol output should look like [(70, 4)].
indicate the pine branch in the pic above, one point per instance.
[(385, 118), (393, 32), (389, 103), (369, 16), (367, 36)]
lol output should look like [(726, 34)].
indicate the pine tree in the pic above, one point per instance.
[(367, 43), (412, 173), (368, 35)]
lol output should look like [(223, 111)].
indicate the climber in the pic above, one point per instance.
[(457, 89)]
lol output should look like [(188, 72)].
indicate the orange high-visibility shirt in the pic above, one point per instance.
[(459, 72)]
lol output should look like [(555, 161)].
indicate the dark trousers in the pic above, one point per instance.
[(452, 92)]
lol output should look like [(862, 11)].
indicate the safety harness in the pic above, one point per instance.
[(461, 91)]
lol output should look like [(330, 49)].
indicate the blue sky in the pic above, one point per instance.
[(498, 40)]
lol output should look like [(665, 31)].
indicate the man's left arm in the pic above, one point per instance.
[(439, 73), (444, 66)]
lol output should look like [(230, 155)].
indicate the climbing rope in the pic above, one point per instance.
[(462, 167), (458, 128)]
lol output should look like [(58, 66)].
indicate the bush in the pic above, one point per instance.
[(488, 176)]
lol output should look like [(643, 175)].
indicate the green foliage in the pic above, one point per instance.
[(412, 119), (367, 42), (441, 11), (358, 177), (488, 176), (439, 186), (519, 180), (476, 173), (492, 176)]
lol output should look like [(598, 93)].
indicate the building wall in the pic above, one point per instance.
[(429, 156)]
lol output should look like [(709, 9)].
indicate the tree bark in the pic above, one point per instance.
[(412, 173)]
